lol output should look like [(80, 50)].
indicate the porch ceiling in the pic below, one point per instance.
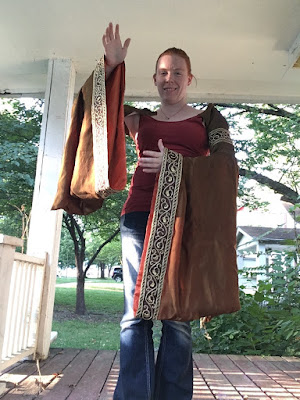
[(240, 50)]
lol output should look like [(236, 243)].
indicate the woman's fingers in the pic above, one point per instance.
[(152, 160), (150, 153), (114, 51), (110, 35), (117, 32), (110, 31), (157, 154), (126, 44), (150, 171), (161, 145), (150, 164)]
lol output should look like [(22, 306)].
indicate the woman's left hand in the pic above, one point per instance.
[(152, 160)]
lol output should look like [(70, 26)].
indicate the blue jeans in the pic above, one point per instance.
[(140, 378)]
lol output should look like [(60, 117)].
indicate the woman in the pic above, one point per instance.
[(178, 223), (173, 372), (180, 128)]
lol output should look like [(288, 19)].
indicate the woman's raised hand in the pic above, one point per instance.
[(115, 53)]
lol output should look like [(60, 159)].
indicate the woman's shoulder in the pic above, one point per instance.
[(131, 110), (212, 118), (132, 119), (132, 122)]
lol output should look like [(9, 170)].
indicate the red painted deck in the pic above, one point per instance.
[(91, 375)]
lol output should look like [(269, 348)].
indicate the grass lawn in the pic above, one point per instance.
[(100, 328)]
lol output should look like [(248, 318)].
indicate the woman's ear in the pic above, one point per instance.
[(154, 79), (190, 78)]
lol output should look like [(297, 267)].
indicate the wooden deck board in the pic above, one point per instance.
[(110, 384), (261, 377), (70, 374), (70, 377), (215, 379), (201, 390), (91, 384), (33, 384), (243, 384), (14, 375), (290, 383)]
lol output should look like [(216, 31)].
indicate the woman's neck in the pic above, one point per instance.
[(170, 111), (175, 112)]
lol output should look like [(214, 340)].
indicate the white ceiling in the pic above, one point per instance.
[(241, 50)]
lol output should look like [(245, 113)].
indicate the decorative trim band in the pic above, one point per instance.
[(99, 129), (219, 135), (159, 245)]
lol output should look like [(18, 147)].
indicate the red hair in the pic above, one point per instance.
[(178, 52)]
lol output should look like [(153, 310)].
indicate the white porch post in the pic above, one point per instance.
[(45, 225)]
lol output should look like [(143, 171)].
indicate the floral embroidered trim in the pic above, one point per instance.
[(99, 128), (219, 135), (159, 245)]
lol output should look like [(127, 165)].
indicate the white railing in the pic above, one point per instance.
[(21, 288)]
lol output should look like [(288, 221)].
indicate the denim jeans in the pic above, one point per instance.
[(140, 378)]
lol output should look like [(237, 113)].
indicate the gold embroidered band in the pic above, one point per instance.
[(219, 135), (159, 245), (99, 128)]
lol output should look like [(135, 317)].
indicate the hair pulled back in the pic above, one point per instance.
[(178, 52)]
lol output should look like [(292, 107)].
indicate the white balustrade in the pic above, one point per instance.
[(21, 288)]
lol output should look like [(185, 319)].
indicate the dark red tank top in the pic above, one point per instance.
[(187, 137)]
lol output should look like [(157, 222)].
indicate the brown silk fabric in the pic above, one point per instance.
[(201, 277), (76, 187)]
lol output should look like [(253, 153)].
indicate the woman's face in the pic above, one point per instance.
[(172, 78)]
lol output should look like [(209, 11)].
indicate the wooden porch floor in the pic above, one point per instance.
[(91, 375)]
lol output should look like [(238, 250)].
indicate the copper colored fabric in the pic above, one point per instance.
[(200, 277), (76, 187)]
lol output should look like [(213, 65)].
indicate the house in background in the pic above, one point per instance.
[(275, 215), (256, 246)]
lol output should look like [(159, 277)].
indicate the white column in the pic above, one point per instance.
[(45, 225)]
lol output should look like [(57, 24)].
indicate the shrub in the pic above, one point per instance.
[(268, 322)]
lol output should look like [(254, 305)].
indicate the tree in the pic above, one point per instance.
[(271, 156), (91, 233), (66, 253), (104, 228), (19, 138)]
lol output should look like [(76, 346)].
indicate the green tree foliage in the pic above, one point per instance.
[(19, 138), (268, 322), (92, 233), (271, 155), (66, 252), (77, 232)]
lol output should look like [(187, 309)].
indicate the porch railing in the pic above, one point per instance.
[(21, 288)]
